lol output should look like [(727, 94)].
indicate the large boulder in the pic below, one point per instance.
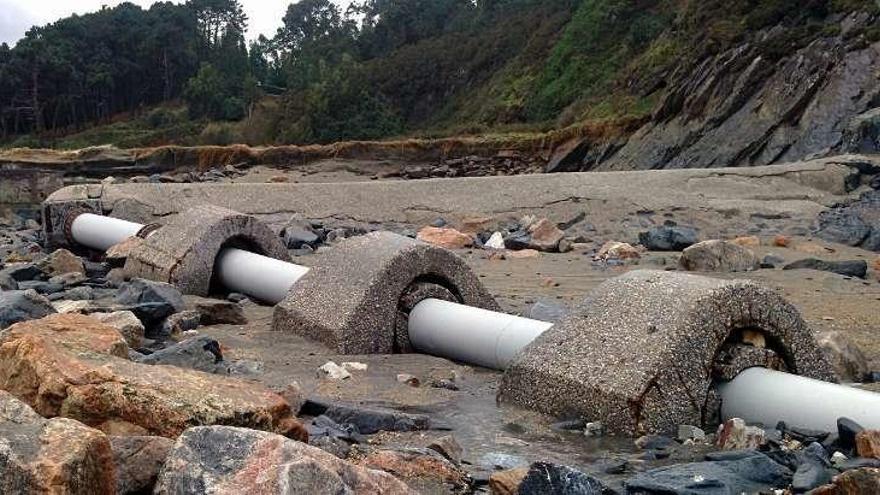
[(718, 256), (22, 305), (51, 456), (77, 367), (851, 268), (223, 460)]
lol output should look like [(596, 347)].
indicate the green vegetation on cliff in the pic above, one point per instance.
[(383, 68)]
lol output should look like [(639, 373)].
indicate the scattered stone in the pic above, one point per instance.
[(718, 256), (617, 251), (445, 238), (853, 268), (410, 380), (734, 434), (126, 323), (424, 470), (78, 307), (51, 456), (368, 421), (60, 262), (354, 366), (68, 279), (21, 272), (22, 305), (499, 461), (200, 353), (594, 429), (812, 471), (838, 459), (576, 425), (781, 241), (475, 225), (226, 460), (748, 472), (692, 433), (751, 242), (138, 462), (299, 233), (545, 478), (80, 368), (79, 294), (332, 371), (496, 241), (668, 238), (216, 311), (868, 443), (448, 447), (848, 361), (180, 323), (771, 261), (545, 236), (847, 430), (507, 482), (150, 301)]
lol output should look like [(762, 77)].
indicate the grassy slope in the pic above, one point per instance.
[(544, 66)]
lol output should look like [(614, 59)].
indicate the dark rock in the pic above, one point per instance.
[(771, 261), (751, 473), (813, 469), (323, 426), (847, 430), (152, 302), (7, 282), (138, 462), (803, 435), (612, 465), (178, 323), (41, 287), (853, 268), (842, 227), (668, 238), (518, 240), (199, 353), (216, 311), (438, 223), (368, 421), (545, 479), (22, 305), (79, 294), (577, 425), (298, 233), (21, 272)]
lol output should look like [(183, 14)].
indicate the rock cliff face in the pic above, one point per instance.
[(741, 107)]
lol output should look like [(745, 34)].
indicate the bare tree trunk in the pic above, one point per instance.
[(35, 101)]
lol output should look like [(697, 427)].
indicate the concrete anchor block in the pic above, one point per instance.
[(183, 251), (642, 352), (357, 297)]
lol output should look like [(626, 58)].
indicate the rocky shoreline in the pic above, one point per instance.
[(154, 391)]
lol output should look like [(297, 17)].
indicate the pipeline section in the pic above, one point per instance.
[(493, 340)]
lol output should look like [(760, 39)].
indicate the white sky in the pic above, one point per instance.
[(17, 16)]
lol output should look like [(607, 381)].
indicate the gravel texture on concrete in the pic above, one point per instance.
[(351, 299), (639, 353), (183, 251)]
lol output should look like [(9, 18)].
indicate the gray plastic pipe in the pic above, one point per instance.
[(260, 277), (759, 395), (471, 335)]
